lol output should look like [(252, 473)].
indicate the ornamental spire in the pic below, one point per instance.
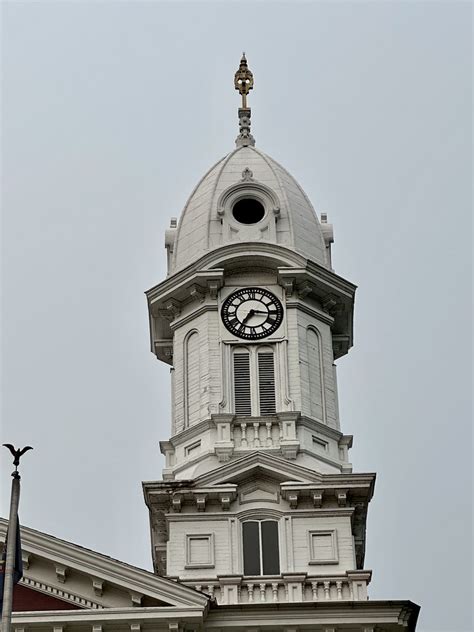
[(243, 82)]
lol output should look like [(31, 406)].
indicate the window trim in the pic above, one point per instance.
[(189, 449), (320, 443), (200, 536), (253, 352), (335, 557)]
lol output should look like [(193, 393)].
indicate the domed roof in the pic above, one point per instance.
[(209, 219)]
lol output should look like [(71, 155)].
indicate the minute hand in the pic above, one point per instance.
[(258, 311)]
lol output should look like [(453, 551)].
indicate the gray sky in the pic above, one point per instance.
[(111, 113)]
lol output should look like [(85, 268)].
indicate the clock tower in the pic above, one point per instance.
[(258, 502)]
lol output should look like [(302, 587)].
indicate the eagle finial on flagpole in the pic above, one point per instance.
[(17, 454)]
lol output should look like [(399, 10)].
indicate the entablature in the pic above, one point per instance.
[(333, 294)]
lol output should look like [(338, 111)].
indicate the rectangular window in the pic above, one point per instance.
[(323, 547), (270, 549), (199, 551), (261, 548), (266, 383), (320, 444), (192, 449), (251, 536), (242, 398), (254, 381)]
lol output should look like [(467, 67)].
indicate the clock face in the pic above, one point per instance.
[(252, 313)]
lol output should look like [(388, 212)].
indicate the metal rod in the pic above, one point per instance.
[(10, 561)]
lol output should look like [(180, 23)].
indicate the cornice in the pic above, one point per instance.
[(360, 614), (179, 322), (318, 274), (280, 256), (244, 513), (322, 458), (191, 432), (183, 281), (114, 615), (106, 568), (255, 459), (283, 470), (60, 593), (298, 303), (319, 426)]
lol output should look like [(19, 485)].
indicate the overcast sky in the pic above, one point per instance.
[(111, 113)]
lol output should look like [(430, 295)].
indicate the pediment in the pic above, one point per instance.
[(264, 490), (258, 465), (61, 575)]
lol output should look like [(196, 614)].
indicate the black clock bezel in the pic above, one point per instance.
[(252, 334)]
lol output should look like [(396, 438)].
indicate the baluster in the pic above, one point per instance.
[(256, 439), (269, 434), (287, 592), (210, 590), (250, 592), (198, 587), (280, 426), (351, 591), (326, 590), (339, 589), (314, 588), (243, 440), (275, 591), (239, 594), (263, 588)]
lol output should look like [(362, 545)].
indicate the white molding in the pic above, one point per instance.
[(200, 536), (65, 595), (109, 570), (111, 616), (335, 553), (297, 303)]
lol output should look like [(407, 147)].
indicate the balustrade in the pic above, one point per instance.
[(255, 434), (283, 590)]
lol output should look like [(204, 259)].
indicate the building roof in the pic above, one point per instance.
[(290, 219)]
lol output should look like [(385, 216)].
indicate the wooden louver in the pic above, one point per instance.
[(266, 383), (242, 397)]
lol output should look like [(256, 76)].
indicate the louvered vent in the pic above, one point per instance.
[(266, 383), (242, 384)]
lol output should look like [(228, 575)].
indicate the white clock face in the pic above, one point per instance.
[(252, 313)]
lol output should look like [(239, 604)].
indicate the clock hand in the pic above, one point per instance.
[(251, 313)]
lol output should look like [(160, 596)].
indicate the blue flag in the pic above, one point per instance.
[(18, 564)]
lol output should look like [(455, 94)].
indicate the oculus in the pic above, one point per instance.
[(252, 313), (248, 211)]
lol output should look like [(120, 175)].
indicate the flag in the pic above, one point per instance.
[(18, 564)]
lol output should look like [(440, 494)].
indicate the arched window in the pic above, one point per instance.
[(254, 381), (261, 548), (192, 379), (315, 373)]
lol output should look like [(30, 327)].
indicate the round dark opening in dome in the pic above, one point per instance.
[(248, 211)]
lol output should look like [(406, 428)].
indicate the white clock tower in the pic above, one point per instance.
[(258, 502)]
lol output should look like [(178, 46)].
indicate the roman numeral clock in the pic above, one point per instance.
[(252, 313)]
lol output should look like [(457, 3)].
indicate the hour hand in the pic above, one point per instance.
[(251, 313)]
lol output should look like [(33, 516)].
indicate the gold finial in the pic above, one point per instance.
[(243, 80)]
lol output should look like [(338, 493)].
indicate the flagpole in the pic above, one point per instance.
[(10, 561), (13, 540)]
